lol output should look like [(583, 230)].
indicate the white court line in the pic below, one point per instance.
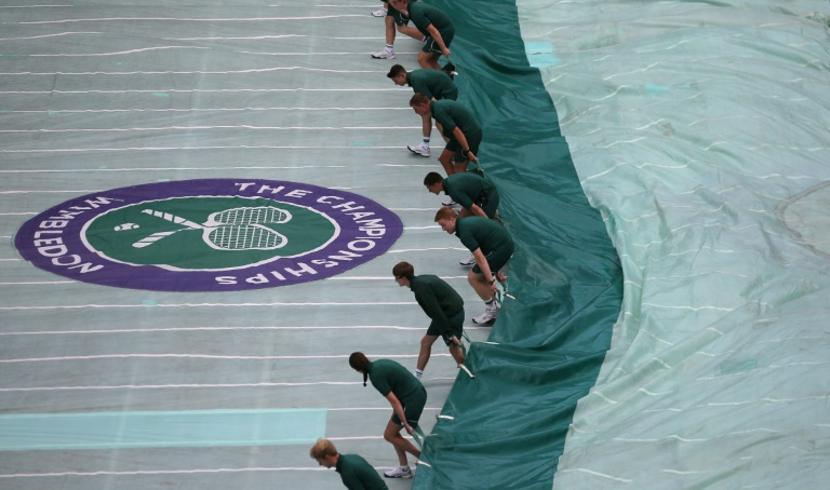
[(276, 36), (110, 53), (185, 19), (201, 305), (31, 389), (194, 90), (335, 278), (33, 6), (109, 473), (45, 192), (425, 250), (42, 36), (214, 329), (212, 357), (317, 53), (155, 169), (20, 213), (34, 389), (192, 128), (207, 147), (248, 71), (205, 329), (208, 109)]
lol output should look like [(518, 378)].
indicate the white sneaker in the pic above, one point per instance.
[(489, 316), (422, 149), (384, 54), (399, 472), (381, 12), (469, 261)]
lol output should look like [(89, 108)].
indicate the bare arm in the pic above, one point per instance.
[(481, 261), (465, 145), (476, 209), (434, 34)]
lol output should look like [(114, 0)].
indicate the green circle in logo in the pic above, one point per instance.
[(208, 232)]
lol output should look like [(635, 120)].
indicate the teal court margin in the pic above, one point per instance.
[(143, 429)]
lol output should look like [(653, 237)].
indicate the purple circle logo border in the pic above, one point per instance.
[(367, 230)]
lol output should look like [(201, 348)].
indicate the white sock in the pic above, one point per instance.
[(419, 373)]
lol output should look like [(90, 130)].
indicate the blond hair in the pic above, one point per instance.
[(445, 213), (322, 448)]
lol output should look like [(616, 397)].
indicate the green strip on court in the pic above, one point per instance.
[(551, 337), (196, 428)]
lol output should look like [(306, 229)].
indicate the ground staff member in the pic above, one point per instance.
[(435, 84), (476, 194), (406, 395), (442, 305), (458, 125), (356, 472), (491, 246), (392, 18), (437, 28)]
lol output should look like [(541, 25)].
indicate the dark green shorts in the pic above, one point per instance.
[(430, 46), (412, 408), (496, 259), (490, 204), (454, 146), (456, 328)]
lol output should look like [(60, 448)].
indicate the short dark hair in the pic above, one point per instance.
[(433, 178), (403, 269), (445, 213), (395, 71), (418, 99)]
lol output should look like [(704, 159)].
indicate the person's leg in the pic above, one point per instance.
[(457, 353), (426, 126), (388, 51), (428, 60), (426, 350), (485, 292), (422, 148), (480, 284), (411, 31), (446, 161), (402, 446)]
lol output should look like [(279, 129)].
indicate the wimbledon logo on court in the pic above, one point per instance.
[(208, 235)]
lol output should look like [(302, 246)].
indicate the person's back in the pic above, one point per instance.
[(487, 234), (387, 375), (428, 286), (467, 188), (358, 474), (432, 83), (423, 15), (451, 113)]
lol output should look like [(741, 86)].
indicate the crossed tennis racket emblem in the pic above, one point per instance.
[(231, 229)]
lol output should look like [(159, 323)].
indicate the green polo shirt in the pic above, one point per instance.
[(432, 83), (423, 15), (387, 375), (451, 114), (438, 300), (484, 233), (358, 474), (468, 188)]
